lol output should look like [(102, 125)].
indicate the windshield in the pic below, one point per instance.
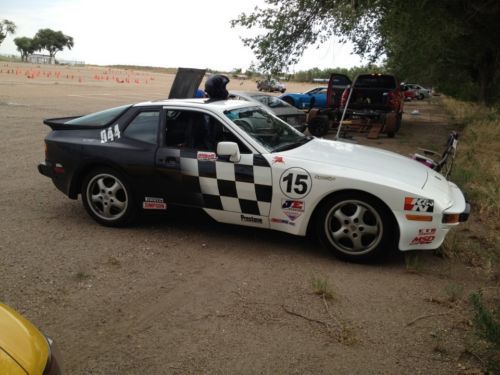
[(271, 101), (272, 133), (99, 118)]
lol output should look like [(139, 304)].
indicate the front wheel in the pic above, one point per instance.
[(107, 198), (356, 227)]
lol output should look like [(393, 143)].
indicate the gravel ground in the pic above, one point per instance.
[(182, 294)]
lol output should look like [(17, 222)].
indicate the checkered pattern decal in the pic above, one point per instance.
[(243, 187)]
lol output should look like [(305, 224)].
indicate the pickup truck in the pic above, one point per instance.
[(376, 99)]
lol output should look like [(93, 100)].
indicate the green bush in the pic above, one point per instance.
[(487, 327)]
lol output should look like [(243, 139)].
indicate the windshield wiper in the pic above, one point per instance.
[(289, 146)]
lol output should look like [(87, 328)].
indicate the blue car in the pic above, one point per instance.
[(315, 97)]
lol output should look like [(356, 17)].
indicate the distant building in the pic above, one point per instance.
[(37, 58)]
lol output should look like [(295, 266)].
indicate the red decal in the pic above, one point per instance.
[(408, 204), (278, 159), (154, 206), (422, 240), (206, 156)]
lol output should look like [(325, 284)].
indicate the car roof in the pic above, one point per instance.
[(204, 103), (250, 93)]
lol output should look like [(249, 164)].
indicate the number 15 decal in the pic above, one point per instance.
[(295, 182)]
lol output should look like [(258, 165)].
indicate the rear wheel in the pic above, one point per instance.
[(319, 126), (399, 119), (356, 226), (107, 198)]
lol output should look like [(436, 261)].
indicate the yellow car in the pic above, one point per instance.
[(24, 350)]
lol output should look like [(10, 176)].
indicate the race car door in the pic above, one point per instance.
[(194, 175)]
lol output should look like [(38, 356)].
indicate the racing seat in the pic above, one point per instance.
[(443, 162)]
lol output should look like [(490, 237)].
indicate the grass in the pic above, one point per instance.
[(439, 343), (413, 262), (477, 172), (454, 292), (320, 287), (486, 344), (81, 276)]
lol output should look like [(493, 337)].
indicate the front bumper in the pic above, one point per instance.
[(465, 214), (53, 366)]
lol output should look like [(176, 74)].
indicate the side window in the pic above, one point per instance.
[(198, 131), (144, 127)]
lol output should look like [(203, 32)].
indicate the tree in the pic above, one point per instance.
[(6, 27), (52, 41), (451, 43), (25, 46)]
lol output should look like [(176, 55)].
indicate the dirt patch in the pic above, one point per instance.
[(181, 294)]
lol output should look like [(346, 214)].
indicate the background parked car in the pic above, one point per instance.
[(409, 93), (420, 91), (271, 85), (315, 97), (283, 110)]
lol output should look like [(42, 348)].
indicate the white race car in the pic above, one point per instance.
[(242, 165)]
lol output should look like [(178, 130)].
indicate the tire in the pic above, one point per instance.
[(391, 134), (399, 119), (356, 226), (319, 126), (420, 97), (107, 198)]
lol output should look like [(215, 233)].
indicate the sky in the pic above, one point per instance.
[(187, 33)]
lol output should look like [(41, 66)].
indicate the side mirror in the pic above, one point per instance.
[(230, 149)]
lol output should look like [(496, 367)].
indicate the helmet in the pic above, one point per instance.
[(215, 87)]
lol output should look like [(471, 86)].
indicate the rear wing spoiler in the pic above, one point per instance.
[(60, 124)]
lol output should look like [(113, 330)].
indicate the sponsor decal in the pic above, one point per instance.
[(151, 203), (292, 205), (292, 215), (321, 177), (110, 134), (295, 183), (282, 221), (278, 160), (250, 219), (427, 231), (206, 156), (419, 204), (422, 240), (292, 208)]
